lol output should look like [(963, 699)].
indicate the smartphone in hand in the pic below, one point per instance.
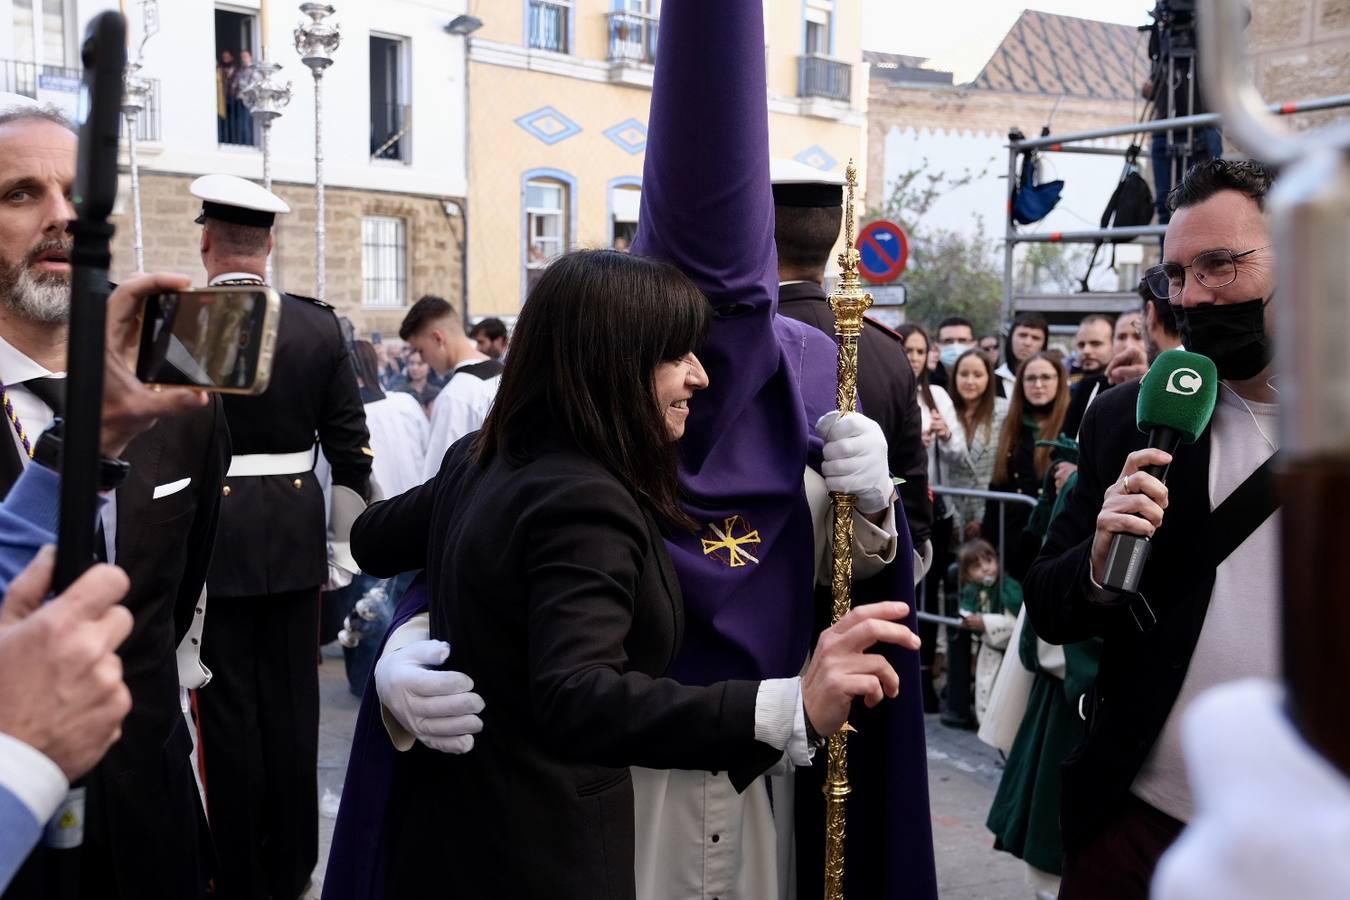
[(213, 339)]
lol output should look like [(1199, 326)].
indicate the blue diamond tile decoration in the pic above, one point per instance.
[(816, 157), (548, 125), (629, 136)]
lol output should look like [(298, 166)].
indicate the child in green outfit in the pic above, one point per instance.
[(989, 610)]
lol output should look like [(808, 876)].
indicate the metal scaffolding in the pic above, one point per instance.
[(1114, 302)]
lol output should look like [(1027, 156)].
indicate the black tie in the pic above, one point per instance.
[(51, 391)]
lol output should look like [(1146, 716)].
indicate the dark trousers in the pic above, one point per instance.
[(1118, 864), (260, 742)]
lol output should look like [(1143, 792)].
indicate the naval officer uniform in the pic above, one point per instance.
[(260, 713)]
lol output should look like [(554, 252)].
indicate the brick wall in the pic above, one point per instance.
[(1301, 49), (172, 242)]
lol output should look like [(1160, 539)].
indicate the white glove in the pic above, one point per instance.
[(855, 460), (438, 708)]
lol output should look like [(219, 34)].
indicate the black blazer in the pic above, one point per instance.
[(143, 827), (1141, 673), (273, 537), (886, 389), (555, 591)]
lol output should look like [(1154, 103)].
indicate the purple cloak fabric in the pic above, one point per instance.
[(358, 857), (748, 576)]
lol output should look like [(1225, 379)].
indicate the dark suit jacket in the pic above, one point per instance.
[(887, 392), (1141, 673), (141, 834), (555, 591), (273, 537)]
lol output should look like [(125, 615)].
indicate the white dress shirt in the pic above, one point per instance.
[(459, 408), (35, 415)]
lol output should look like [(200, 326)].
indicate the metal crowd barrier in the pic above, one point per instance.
[(1001, 498)]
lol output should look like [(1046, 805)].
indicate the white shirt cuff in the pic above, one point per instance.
[(876, 541), (30, 776), (418, 628), (780, 721)]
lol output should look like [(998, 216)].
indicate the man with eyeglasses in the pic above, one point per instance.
[(1204, 614)]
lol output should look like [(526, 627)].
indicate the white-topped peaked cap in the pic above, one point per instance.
[(238, 200), (797, 184)]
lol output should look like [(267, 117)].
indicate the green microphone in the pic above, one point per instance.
[(1176, 401)]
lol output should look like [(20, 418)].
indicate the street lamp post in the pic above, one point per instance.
[(135, 90), (316, 41), (265, 96)]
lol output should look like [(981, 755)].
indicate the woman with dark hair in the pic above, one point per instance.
[(981, 414), (938, 416), (1036, 413), (548, 573), (417, 383)]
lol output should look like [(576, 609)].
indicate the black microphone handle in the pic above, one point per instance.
[(1129, 552)]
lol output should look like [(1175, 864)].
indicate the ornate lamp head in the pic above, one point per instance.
[(263, 92), (316, 40)]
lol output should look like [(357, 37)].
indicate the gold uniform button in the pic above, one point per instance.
[(225, 491), (297, 483)]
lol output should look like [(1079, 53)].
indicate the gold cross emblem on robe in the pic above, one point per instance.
[(727, 539)]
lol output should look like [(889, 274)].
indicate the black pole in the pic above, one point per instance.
[(104, 57)]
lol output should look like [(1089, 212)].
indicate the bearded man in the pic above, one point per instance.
[(143, 817)]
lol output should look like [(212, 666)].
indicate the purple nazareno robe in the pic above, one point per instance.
[(748, 576)]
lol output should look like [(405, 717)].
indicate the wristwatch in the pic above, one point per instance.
[(813, 739), (112, 473)]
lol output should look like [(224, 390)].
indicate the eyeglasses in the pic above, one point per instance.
[(1215, 269), (1041, 379)]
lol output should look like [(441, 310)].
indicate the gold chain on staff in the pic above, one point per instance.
[(848, 301)]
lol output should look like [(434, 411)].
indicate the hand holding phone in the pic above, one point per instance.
[(130, 407), (213, 339)]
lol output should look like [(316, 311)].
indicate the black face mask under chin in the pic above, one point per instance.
[(1233, 335)]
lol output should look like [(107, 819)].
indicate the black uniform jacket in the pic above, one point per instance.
[(555, 591), (273, 536), (887, 392), (141, 833), (1141, 673)]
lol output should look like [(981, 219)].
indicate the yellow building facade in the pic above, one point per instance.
[(557, 123)]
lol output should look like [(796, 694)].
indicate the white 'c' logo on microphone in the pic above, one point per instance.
[(1186, 382)]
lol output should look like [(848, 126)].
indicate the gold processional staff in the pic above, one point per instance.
[(848, 301)]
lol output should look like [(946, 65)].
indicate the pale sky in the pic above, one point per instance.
[(959, 35)]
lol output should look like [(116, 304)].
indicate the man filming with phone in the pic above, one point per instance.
[(62, 697), (1204, 611), (143, 814)]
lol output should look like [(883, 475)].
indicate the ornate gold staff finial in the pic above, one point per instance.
[(848, 301)]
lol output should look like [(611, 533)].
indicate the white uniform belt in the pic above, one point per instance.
[(252, 464)]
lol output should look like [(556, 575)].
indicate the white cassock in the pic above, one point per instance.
[(458, 409), (398, 438)]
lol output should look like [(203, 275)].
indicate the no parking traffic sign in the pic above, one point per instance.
[(884, 250)]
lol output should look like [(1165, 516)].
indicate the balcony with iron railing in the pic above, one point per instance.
[(632, 38), (60, 87), (821, 76), (390, 131), (548, 24)]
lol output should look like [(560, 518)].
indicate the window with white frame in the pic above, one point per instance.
[(817, 31), (545, 225), (384, 261), (390, 112), (548, 23), (43, 32)]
